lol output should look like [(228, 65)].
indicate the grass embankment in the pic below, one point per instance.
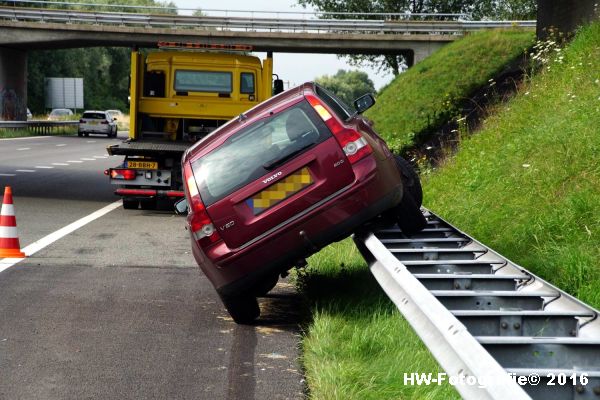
[(436, 90), (528, 185)]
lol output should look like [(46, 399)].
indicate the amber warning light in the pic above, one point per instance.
[(204, 46)]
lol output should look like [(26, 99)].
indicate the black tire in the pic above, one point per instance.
[(411, 180), (130, 204), (409, 216), (265, 286), (148, 204), (80, 134), (243, 309)]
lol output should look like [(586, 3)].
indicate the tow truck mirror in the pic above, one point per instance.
[(181, 207), (363, 103), (277, 86)]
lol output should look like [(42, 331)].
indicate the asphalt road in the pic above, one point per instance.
[(118, 309)]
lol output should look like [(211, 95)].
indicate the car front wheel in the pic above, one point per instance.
[(409, 216), (410, 180)]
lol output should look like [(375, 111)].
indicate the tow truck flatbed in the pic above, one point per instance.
[(148, 147)]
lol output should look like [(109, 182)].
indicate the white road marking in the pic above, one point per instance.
[(88, 159), (33, 248), (74, 161), (100, 156), (43, 167), (25, 170), (59, 163), (91, 141), (24, 148), (60, 145), (8, 174)]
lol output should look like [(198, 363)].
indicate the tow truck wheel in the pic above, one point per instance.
[(242, 308), (148, 204), (130, 204)]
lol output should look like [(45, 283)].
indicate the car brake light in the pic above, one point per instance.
[(81, 121), (354, 145), (121, 173), (104, 122), (201, 225)]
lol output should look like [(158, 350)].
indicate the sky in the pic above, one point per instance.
[(293, 68)]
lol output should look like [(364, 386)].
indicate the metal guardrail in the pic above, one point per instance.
[(247, 13), (37, 126), (482, 316), (382, 26)]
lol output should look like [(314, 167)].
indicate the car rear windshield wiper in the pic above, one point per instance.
[(278, 161)]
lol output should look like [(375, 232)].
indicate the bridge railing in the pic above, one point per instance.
[(246, 13), (249, 23)]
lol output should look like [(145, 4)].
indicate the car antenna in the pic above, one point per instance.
[(242, 117)]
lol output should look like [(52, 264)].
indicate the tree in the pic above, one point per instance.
[(347, 85), (484, 9)]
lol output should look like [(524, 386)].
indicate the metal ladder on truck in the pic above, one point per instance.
[(485, 318)]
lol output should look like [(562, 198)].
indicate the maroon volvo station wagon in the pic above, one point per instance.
[(290, 176)]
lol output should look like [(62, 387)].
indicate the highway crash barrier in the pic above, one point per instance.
[(9, 238)]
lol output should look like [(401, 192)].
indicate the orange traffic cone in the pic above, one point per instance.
[(9, 239)]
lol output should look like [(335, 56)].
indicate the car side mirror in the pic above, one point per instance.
[(363, 103), (181, 207)]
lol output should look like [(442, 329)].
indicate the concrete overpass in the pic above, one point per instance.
[(24, 29)]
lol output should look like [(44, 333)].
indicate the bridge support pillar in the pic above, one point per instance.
[(13, 85), (424, 50), (564, 15)]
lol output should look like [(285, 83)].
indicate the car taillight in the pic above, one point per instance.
[(201, 225), (122, 173), (104, 122), (354, 145), (81, 121)]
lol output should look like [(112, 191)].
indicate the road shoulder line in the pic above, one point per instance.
[(33, 248)]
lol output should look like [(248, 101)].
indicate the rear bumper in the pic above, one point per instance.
[(377, 188), (97, 130), (148, 193)]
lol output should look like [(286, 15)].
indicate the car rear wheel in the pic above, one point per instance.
[(410, 180), (409, 216), (242, 308), (265, 286)]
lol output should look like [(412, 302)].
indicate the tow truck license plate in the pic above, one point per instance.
[(142, 164)]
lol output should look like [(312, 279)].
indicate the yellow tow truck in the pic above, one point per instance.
[(177, 97)]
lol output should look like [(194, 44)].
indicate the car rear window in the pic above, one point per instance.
[(94, 116), (258, 149)]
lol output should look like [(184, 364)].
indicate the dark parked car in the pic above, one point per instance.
[(294, 174)]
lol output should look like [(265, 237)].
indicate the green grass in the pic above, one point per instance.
[(358, 346), (432, 92), (528, 185)]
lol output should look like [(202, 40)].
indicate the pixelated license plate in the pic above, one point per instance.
[(280, 191)]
